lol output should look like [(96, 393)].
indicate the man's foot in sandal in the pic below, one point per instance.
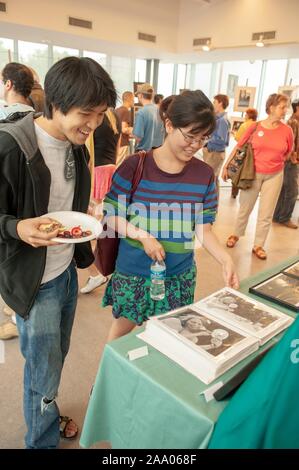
[(259, 252), (231, 241), (67, 427)]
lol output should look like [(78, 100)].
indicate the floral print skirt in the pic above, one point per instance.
[(130, 295)]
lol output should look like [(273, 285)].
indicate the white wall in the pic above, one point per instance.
[(113, 20), (231, 23)]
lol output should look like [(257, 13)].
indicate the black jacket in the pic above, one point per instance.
[(24, 193)]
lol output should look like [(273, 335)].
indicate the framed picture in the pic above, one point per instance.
[(292, 92), (232, 83), (287, 90), (236, 123), (244, 98), (280, 288), (292, 270)]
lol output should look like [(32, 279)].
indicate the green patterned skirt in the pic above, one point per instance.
[(130, 295)]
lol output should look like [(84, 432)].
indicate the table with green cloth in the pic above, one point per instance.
[(152, 402)]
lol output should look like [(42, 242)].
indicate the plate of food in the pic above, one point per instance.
[(73, 227)]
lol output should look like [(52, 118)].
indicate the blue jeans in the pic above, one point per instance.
[(288, 195), (44, 340)]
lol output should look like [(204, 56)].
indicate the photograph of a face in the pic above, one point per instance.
[(280, 288), (292, 270), (205, 333), (236, 123), (242, 311), (244, 98)]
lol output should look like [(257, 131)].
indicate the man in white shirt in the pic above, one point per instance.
[(16, 82)]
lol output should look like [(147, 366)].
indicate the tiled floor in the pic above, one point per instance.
[(92, 324)]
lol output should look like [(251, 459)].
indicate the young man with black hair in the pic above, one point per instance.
[(16, 83), (44, 168)]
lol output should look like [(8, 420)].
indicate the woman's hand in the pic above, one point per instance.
[(224, 174), (153, 248), (230, 274)]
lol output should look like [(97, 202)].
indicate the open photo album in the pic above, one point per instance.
[(208, 339)]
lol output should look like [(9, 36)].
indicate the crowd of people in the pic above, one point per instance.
[(67, 148)]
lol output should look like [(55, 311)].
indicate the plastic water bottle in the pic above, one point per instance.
[(158, 272)]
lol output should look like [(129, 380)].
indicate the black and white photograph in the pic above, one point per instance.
[(232, 83), (202, 331), (244, 98), (236, 122), (243, 311), (280, 288), (292, 270)]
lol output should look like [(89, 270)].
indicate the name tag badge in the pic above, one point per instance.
[(260, 133)]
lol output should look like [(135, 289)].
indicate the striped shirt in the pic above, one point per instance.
[(166, 205)]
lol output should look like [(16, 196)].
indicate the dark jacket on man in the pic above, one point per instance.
[(24, 193)]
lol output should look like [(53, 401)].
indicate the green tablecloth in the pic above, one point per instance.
[(153, 403)]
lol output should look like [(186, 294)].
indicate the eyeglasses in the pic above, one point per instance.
[(191, 140)]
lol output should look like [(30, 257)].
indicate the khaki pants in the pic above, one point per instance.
[(214, 159), (268, 186)]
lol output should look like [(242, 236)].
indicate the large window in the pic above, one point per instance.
[(97, 56), (274, 78), (181, 78), (61, 52), (122, 74), (165, 79), (240, 73), (35, 55), (6, 51), (293, 73), (202, 78), (140, 70)]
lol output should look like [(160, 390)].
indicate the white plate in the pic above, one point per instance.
[(70, 219)]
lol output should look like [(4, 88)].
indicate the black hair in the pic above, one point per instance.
[(77, 82), (189, 108), (20, 76), (295, 105), (157, 98)]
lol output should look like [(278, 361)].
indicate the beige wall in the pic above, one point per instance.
[(113, 20), (231, 23), (175, 23)]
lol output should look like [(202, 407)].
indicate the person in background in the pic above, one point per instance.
[(214, 151), (44, 168), (158, 98), (147, 126), (16, 82), (106, 140), (15, 85), (160, 131), (250, 117), (272, 141), (169, 171), (37, 95), (124, 114), (289, 191)]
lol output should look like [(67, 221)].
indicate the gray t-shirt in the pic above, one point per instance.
[(55, 153)]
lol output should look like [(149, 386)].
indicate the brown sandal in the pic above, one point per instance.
[(259, 252), (231, 241)]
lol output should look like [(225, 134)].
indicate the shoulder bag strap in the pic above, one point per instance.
[(253, 131), (138, 172)]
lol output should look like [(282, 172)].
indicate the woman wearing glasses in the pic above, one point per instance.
[(175, 199)]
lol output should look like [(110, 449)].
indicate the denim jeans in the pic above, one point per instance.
[(288, 195), (44, 340)]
